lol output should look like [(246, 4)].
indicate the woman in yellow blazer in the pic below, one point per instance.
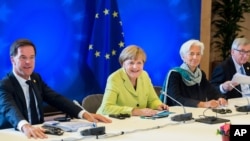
[(129, 89)]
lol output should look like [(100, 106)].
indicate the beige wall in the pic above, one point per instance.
[(205, 36), (246, 24)]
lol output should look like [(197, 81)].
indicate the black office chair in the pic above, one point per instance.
[(92, 102), (158, 90)]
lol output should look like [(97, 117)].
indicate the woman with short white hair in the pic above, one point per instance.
[(188, 83)]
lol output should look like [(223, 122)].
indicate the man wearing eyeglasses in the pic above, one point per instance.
[(236, 63)]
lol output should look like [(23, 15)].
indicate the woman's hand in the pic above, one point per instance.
[(213, 103), (222, 102), (208, 104), (143, 112), (162, 107)]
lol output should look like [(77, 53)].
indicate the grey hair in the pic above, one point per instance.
[(238, 42), (186, 47)]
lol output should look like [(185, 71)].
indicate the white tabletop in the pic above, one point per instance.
[(136, 128)]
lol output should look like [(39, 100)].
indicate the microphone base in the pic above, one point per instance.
[(96, 131), (245, 108), (212, 120), (182, 117)]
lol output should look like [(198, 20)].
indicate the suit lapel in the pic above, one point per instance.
[(232, 69), (247, 68), (127, 83), (19, 93)]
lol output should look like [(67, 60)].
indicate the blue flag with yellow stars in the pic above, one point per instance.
[(106, 43)]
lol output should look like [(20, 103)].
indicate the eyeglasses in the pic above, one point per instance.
[(222, 111), (243, 52)]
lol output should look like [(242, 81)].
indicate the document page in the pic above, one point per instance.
[(241, 79)]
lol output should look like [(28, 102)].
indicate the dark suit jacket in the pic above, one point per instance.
[(224, 72), (13, 105)]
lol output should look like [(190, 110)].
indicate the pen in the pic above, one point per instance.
[(145, 117), (94, 124)]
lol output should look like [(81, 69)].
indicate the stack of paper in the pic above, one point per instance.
[(241, 79)]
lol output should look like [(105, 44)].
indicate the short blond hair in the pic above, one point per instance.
[(132, 52)]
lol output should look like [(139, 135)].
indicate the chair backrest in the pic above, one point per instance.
[(158, 90), (92, 102)]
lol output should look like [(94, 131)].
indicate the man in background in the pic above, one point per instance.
[(236, 63)]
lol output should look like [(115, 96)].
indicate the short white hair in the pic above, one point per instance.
[(186, 47), (239, 41)]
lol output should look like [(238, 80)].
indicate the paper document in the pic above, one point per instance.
[(241, 79), (71, 126)]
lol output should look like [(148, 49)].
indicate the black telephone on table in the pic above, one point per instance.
[(119, 116), (53, 130)]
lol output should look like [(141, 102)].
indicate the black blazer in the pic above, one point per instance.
[(224, 72), (190, 95), (13, 105)]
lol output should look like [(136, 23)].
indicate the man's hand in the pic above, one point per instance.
[(96, 117), (35, 132), (229, 85)]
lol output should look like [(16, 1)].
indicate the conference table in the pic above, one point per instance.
[(137, 128)]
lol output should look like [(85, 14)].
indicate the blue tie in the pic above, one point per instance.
[(242, 70)]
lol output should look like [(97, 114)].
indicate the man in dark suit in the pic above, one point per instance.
[(16, 101), (224, 72)]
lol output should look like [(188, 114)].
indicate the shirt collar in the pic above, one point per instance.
[(237, 66), (20, 79)]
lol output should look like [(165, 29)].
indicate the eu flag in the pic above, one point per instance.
[(106, 43)]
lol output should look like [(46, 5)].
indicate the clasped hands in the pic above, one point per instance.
[(148, 111), (215, 103)]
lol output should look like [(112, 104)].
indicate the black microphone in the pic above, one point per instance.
[(92, 131), (244, 108), (181, 117)]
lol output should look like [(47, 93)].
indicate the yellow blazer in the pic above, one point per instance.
[(120, 97)]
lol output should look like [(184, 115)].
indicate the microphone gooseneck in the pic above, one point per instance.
[(174, 100), (93, 131), (245, 108), (181, 117), (77, 104)]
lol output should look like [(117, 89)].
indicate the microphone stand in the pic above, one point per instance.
[(92, 131), (181, 117), (245, 108)]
